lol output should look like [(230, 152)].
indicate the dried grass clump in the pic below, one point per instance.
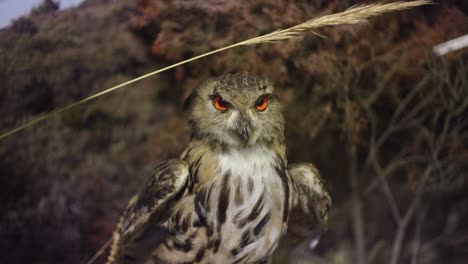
[(353, 15)]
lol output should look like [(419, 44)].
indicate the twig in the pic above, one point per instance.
[(403, 224), (100, 252), (384, 183), (375, 251), (417, 237), (356, 203), (357, 215)]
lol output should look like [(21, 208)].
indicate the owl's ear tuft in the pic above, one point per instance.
[(189, 100)]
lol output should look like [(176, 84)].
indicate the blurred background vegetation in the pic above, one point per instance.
[(384, 120)]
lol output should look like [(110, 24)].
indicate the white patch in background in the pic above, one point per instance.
[(451, 45), (314, 242)]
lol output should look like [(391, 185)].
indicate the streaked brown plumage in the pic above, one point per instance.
[(227, 200)]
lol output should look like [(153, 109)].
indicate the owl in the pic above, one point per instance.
[(229, 196)]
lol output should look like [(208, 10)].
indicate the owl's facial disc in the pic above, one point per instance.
[(235, 110)]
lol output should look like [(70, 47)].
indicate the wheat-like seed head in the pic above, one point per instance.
[(353, 15)]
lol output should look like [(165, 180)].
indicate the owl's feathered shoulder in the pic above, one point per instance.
[(145, 209), (311, 196)]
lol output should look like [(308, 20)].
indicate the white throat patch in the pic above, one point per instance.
[(246, 161)]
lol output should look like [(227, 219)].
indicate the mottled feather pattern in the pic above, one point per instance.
[(311, 194), (166, 181)]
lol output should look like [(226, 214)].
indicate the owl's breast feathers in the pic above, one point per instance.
[(217, 207)]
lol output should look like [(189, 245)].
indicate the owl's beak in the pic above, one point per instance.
[(245, 134), (242, 129)]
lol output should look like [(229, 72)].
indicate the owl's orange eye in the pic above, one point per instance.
[(262, 103), (219, 103)]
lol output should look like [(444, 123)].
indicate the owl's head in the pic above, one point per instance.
[(235, 110)]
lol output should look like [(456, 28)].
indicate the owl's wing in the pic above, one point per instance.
[(138, 231), (311, 199)]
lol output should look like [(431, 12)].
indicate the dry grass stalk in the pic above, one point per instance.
[(353, 15)]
